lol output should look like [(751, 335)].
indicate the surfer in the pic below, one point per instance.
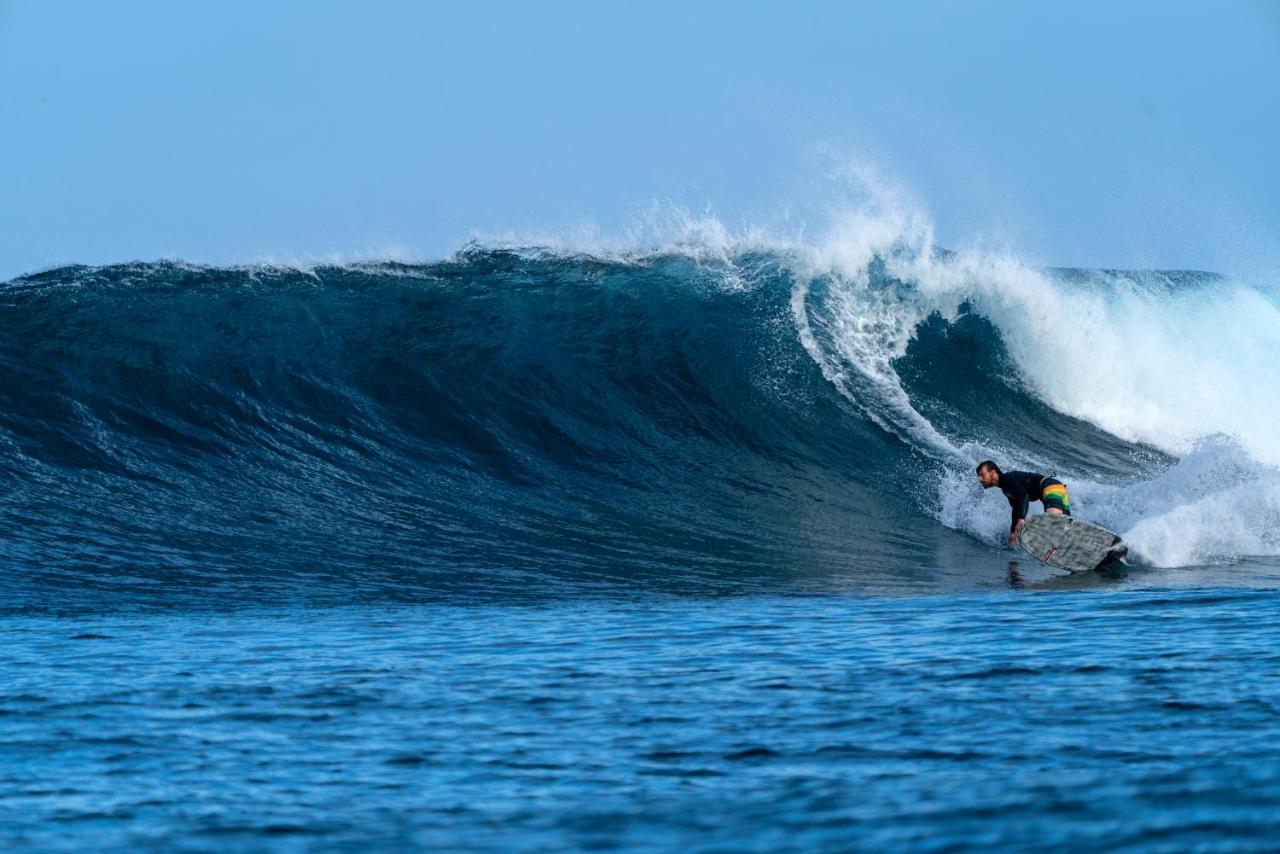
[(1021, 488)]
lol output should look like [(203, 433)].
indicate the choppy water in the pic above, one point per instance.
[(1127, 721), (534, 550)]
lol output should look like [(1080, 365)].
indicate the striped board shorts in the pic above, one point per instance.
[(1053, 493)]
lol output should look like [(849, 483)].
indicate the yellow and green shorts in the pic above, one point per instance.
[(1053, 494)]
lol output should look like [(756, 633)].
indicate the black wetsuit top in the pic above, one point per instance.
[(1021, 488)]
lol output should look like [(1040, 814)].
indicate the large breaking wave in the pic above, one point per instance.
[(715, 413)]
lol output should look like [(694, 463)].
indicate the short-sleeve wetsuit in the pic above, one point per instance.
[(1023, 487)]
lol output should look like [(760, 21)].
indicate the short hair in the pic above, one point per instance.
[(988, 464)]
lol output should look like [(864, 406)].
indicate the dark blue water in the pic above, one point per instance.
[(531, 551)]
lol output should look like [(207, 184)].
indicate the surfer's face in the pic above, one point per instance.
[(988, 478)]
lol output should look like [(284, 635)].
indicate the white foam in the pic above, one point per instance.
[(1166, 368), (1216, 504)]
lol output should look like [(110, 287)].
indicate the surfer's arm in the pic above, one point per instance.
[(1013, 533), (1019, 503)]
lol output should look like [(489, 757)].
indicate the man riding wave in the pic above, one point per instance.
[(1021, 488)]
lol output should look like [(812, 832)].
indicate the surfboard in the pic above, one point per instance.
[(1069, 543)]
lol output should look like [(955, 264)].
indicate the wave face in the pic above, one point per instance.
[(511, 422)]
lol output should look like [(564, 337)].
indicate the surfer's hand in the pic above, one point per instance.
[(1013, 535)]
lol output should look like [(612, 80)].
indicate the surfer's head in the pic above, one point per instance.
[(988, 474)]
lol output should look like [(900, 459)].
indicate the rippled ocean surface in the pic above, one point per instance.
[(680, 551), (1144, 721)]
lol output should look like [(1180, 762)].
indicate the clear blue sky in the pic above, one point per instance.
[(1095, 134)]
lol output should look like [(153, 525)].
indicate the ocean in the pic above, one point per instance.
[(677, 549)]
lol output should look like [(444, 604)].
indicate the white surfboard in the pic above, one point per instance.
[(1069, 543)]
